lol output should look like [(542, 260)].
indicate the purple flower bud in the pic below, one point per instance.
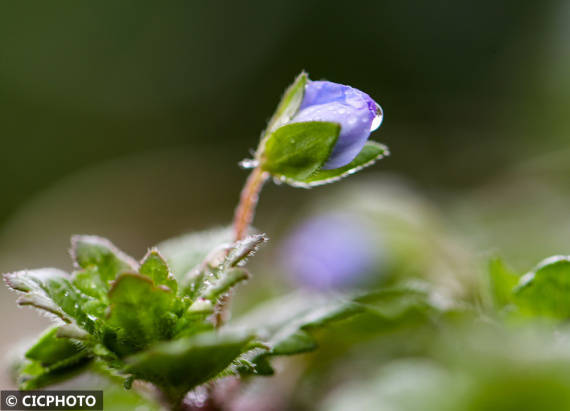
[(330, 251), (357, 114)]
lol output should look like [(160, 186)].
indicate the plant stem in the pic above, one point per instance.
[(248, 200), (242, 219)]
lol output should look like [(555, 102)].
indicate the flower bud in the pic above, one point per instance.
[(355, 111), (319, 133)]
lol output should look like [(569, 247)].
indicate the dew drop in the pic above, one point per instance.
[(248, 163), (279, 180), (352, 120), (377, 118)]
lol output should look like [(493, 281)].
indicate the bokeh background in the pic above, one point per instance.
[(127, 120)]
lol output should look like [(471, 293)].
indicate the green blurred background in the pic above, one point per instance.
[(127, 119)]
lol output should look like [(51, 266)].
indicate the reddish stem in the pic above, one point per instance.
[(242, 220), (248, 200)]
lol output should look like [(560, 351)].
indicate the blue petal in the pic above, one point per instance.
[(352, 109)]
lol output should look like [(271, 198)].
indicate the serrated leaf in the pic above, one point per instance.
[(298, 150), (188, 251), (140, 312), (180, 365), (218, 266), (89, 282), (545, 291), (92, 251), (50, 289), (289, 104), (157, 269), (227, 280), (502, 282), (33, 376), (50, 349), (240, 251), (370, 153)]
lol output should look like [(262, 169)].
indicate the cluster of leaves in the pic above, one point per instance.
[(512, 355), (296, 152), (152, 320), (116, 310)]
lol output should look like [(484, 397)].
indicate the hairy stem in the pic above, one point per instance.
[(242, 219), (248, 200)]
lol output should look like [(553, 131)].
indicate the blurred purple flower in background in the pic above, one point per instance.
[(330, 251), (357, 114)]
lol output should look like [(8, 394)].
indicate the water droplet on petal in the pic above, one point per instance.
[(377, 118), (352, 120)]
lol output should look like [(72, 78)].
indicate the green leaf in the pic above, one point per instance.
[(52, 359), (188, 251), (297, 150), (240, 251), (99, 253), (395, 302), (502, 282), (298, 342), (156, 268), (117, 396), (50, 349), (227, 279), (180, 365), (217, 268), (545, 291), (90, 283), (36, 374), (140, 312), (194, 320), (286, 324), (49, 289), (289, 104), (370, 153)]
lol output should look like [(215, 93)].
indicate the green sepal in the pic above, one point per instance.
[(370, 153), (289, 104), (297, 150)]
